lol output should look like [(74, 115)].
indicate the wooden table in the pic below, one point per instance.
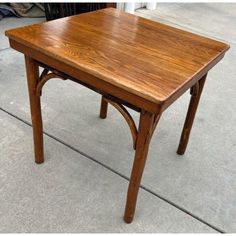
[(129, 60)]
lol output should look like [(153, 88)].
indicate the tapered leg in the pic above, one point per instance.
[(103, 109), (195, 97), (144, 136), (35, 107)]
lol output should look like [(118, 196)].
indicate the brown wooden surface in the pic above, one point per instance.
[(143, 140), (32, 71), (124, 112), (151, 60), (103, 108), (193, 105), (124, 97)]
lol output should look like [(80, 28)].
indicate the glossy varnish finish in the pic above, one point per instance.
[(130, 61), (35, 106), (196, 92), (146, 58)]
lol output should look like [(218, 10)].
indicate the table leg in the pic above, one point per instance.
[(144, 136), (35, 107), (195, 98), (103, 109)]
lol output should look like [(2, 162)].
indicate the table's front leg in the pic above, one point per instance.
[(145, 131), (195, 98), (35, 107)]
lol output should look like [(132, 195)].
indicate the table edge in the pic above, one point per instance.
[(167, 100)]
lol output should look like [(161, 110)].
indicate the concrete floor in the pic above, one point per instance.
[(82, 185)]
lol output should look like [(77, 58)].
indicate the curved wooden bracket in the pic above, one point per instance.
[(44, 77), (194, 89), (155, 122), (127, 117)]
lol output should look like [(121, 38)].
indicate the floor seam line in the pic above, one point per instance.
[(118, 173)]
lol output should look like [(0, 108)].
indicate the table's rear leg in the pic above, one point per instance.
[(144, 136), (103, 108), (35, 107), (195, 97)]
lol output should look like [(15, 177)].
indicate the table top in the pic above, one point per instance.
[(146, 58)]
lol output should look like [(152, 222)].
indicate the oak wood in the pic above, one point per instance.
[(143, 140), (194, 101), (44, 77), (88, 80), (149, 59), (129, 120), (35, 107), (155, 122), (103, 108)]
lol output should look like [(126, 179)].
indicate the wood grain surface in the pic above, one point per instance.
[(149, 59)]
